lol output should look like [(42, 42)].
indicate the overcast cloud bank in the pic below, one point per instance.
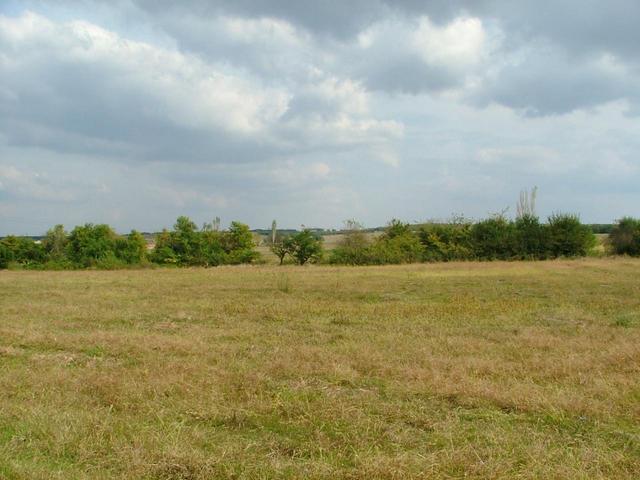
[(133, 112)]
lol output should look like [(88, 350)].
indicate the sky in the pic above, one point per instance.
[(133, 112)]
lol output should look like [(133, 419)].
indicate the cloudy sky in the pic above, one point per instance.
[(132, 112)]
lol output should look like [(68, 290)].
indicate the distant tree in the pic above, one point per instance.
[(353, 246), (6, 256), (131, 249), (305, 246), (625, 237), (282, 247), (89, 244), (185, 241), (526, 206), (494, 239), (568, 237), (239, 237), (55, 242), (396, 228), (274, 232), (163, 252), (239, 244), (447, 241), (532, 238)]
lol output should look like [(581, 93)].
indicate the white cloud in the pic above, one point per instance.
[(461, 43), (139, 112)]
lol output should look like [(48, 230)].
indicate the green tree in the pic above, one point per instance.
[(494, 239), (353, 247), (625, 237), (239, 244), (447, 241), (6, 256), (281, 248), (55, 243), (90, 244), (531, 240), (568, 237), (163, 252), (305, 247), (132, 249), (24, 250)]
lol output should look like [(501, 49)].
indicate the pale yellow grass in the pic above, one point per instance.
[(467, 370)]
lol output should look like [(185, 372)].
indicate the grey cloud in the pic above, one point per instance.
[(291, 111), (551, 82)]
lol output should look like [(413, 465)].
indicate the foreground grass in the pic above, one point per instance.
[(495, 370)]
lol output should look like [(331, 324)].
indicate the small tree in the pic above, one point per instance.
[(274, 231), (305, 246), (89, 244), (625, 237), (6, 256), (353, 247), (238, 244), (568, 237), (131, 249), (526, 206), (55, 242), (282, 248)]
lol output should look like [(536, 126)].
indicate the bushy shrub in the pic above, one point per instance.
[(88, 244), (239, 245), (353, 248), (163, 252), (23, 251), (281, 248), (6, 256), (568, 237), (131, 249), (494, 239), (444, 242), (188, 246), (624, 238), (305, 247), (55, 243), (531, 238), (398, 244)]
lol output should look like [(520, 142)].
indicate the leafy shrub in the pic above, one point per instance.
[(625, 237), (494, 239), (163, 252), (305, 247), (446, 242), (281, 248), (131, 249), (239, 245), (6, 256), (353, 248), (398, 244), (531, 238), (568, 237), (186, 245), (88, 244), (23, 251), (55, 243)]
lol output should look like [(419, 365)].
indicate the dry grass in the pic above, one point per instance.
[(495, 370)]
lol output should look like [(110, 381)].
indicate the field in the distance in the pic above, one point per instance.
[(494, 370)]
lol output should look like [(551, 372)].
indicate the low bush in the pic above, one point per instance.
[(445, 242), (625, 237), (494, 239), (567, 237)]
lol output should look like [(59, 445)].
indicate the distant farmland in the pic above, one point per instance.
[(477, 370)]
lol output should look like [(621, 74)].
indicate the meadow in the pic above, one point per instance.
[(454, 370)]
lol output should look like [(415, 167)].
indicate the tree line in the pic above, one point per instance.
[(494, 238)]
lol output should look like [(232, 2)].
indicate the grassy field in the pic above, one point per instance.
[(494, 370)]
